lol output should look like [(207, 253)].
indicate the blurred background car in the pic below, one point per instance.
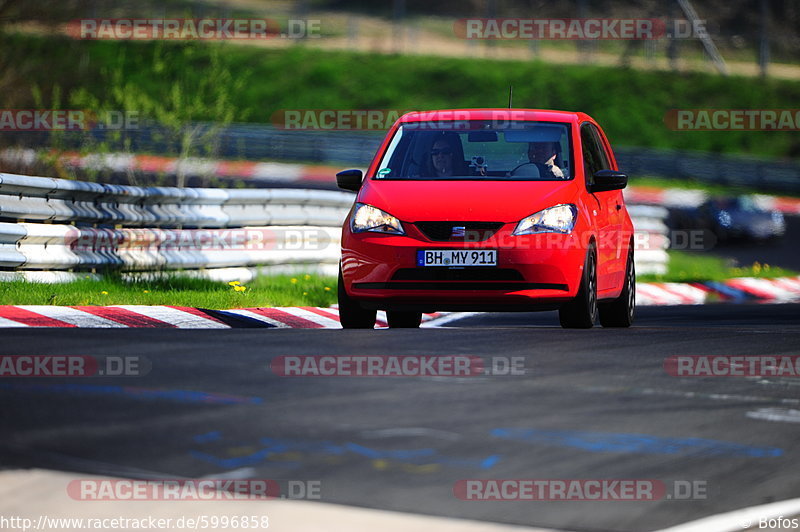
[(733, 220), (742, 218)]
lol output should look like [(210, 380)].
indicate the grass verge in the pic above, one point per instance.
[(692, 267), (273, 291)]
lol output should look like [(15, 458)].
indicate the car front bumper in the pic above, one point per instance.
[(533, 272)]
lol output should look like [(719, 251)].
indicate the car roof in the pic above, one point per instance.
[(543, 115)]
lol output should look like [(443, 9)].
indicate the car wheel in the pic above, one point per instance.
[(403, 320), (619, 312), (581, 312), (351, 315)]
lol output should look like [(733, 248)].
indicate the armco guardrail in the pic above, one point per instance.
[(100, 226), (651, 238), (147, 229)]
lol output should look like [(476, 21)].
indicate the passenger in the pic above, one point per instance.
[(446, 157)]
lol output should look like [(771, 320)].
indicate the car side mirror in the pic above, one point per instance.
[(608, 180), (349, 179)]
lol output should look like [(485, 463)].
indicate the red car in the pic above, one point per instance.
[(488, 210)]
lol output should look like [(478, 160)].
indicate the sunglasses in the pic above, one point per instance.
[(445, 151)]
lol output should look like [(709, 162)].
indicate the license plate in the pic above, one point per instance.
[(456, 257)]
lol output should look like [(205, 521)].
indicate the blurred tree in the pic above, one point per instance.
[(177, 112)]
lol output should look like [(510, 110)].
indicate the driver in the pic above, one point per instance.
[(543, 155)]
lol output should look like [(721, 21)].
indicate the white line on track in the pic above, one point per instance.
[(785, 415), (741, 519), (448, 318)]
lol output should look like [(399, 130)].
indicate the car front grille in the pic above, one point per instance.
[(460, 274), (473, 231)]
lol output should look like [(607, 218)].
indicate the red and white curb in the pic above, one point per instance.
[(740, 289), (781, 290), (168, 317)]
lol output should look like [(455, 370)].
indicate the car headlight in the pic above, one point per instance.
[(558, 219), (369, 218)]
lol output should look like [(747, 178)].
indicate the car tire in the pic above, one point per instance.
[(620, 312), (351, 315), (399, 319), (581, 312)]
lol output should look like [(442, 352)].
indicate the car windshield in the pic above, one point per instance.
[(512, 150)]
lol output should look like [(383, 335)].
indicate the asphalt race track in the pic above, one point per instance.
[(592, 404)]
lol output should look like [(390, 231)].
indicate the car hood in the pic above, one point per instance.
[(497, 201)]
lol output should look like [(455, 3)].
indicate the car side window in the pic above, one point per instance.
[(592, 161), (603, 157)]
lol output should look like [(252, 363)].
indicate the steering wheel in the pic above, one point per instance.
[(513, 172)]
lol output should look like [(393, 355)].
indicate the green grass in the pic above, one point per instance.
[(273, 291), (629, 103), (687, 267)]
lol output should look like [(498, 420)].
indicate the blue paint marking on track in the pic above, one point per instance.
[(729, 291), (208, 437), (181, 396), (274, 446), (634, 443)]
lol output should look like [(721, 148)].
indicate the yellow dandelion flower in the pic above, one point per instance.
[(234, 283), (327, 288), (104, 293), (306, 277), (305, 293), (293, 280), (240, 288), (146, 291)]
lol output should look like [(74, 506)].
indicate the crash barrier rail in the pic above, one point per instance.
[(100, 226), (651, 238), (357, 148), (54, 225)]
